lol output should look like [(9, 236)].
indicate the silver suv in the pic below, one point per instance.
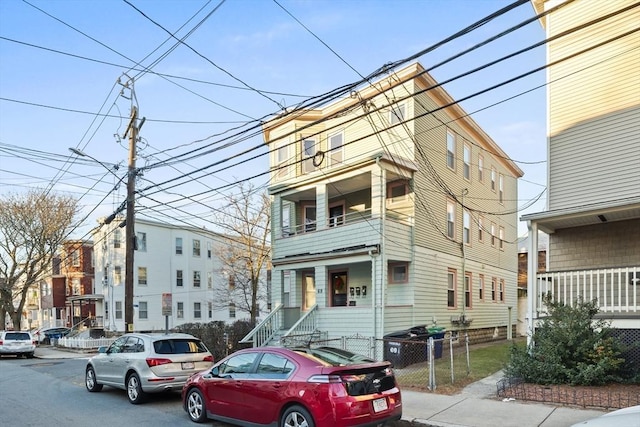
[(147, 363), (20, 343)]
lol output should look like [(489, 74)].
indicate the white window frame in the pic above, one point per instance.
[(452, 293), (398, 272), (468, 291), (281, 160), (501, 238), (451, 219), (397, 113), (493, 179), (309, 148), (336, 156), (196, 247), (178, 245), (118, 310), (143, 310), (501, 188), (180, 310), (179, 278), (197, 310), (451, 150), (142, 276), (466, 227), (493, 235), (480, 229), (141, 241), (197, 279), (480, 168), (466, 159), (481, 289)]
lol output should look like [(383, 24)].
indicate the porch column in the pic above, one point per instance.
[(532, 280), (276, 215), (322, 290), (378, 190), (322, 207)]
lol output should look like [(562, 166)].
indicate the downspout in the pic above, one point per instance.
[(532, 289), (382, 245), (464, 263)]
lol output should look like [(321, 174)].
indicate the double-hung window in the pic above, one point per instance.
[(466, 227), (309, 149), (397, 114), (196, 247), (451, 288), (178, 245), (466, 158), (141, 242), (142, 276), (282, 160), (336, 148), (451, 150), (451, 219)]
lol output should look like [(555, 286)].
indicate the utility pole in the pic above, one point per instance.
[(130, 234)]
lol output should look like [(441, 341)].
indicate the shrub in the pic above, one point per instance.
[(569, 347), (221, 339)]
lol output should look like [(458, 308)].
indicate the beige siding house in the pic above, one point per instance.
[(593, 215), (391, 208)]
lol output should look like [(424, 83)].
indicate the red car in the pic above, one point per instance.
[(322, 387)]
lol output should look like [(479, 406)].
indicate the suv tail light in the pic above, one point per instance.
[(155, 361), (208, 358)]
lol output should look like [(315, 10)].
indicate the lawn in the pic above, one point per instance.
[(484, 360)]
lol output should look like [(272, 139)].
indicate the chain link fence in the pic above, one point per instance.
[(421, 363)]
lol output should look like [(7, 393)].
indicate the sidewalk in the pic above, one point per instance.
[(476, 406)]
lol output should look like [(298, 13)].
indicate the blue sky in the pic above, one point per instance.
[(60, 62)]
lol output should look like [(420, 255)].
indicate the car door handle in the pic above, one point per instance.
[(276, 385)]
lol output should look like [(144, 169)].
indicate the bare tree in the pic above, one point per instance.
[(32, 226), (246, 221)]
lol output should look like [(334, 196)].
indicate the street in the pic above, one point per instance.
[(38, 392)]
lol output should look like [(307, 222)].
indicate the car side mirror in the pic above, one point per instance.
[(102, 349), (215, 372)]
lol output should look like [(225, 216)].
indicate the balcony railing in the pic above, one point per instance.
[(616, 290), (346, 219)]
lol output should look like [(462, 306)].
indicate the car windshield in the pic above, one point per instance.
[(334, 356), (179, 346)]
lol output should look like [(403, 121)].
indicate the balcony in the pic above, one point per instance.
[(343, 233), (617, 290)]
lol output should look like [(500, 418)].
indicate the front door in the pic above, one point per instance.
[(308, 290), (339, 287)]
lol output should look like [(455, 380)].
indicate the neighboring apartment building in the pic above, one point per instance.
[(177, 270), (67, 296), (593, 212), (391, 208)]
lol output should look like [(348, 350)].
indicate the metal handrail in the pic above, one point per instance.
[(266, 329)]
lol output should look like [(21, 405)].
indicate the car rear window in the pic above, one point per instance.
[(17, 336), (335, 356), (179, 346)]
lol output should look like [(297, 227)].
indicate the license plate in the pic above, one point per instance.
[(188, 365), (380, 405)]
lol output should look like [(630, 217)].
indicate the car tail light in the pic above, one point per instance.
[(1, 342), (154, 361), (324, 379), (34, 342), (208, 358)]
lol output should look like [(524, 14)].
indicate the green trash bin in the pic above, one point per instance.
[(437, 333)]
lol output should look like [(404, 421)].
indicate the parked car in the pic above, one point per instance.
[(20, 343), (323, 387), (626, 417), (44, 335), (147, 363)]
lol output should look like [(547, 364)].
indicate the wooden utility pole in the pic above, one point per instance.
[(130, 233)]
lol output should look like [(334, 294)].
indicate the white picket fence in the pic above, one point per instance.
[(84, 343)]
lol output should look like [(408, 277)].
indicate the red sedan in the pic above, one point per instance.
[(322, 387)]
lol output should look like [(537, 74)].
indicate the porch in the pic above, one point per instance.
[(616, 290)]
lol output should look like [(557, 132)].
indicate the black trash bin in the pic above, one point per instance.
[(437, 333), (406, 347)]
